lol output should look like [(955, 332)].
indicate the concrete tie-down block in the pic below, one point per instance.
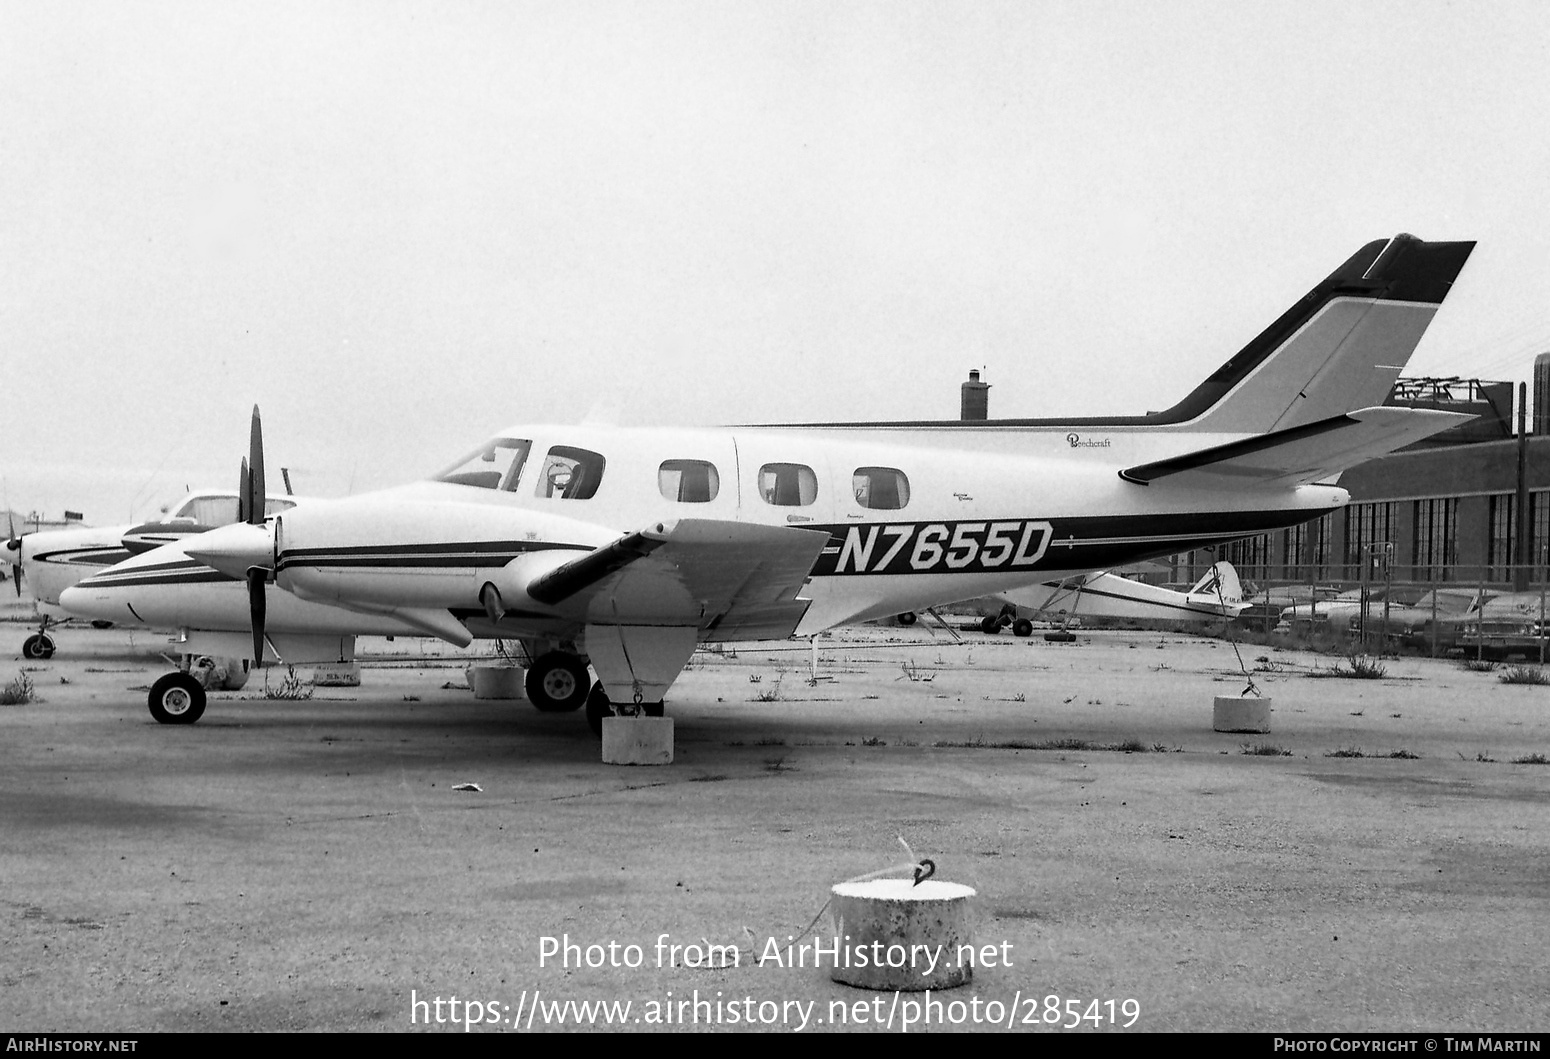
[(637, 740)]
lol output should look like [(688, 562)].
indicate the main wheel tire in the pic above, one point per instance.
[(38, 646), (598, 707), (557, 683), (177, 698), (990, 626), (1022, 627), (907, 618)]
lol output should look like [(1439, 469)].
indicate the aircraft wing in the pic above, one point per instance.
[(1307, 453), (722, 577)]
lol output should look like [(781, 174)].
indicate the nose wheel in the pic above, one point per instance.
[(38, 646)]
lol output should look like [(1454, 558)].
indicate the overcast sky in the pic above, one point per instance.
[(401, 227)]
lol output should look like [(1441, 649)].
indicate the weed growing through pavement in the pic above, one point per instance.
[(1523, 675), (17, 691), (291, 688)]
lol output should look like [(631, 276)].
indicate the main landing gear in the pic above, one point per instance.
[(599, 707), (177, 698), (557, 682)]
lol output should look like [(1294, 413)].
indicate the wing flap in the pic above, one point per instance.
[(1306, 453)]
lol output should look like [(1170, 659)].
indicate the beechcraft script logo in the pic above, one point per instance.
[(1076, 441), (935, 547)]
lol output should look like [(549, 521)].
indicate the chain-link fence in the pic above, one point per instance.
[(1377, 605)]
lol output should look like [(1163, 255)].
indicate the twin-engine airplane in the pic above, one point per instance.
[(622, 549), (53, 560)]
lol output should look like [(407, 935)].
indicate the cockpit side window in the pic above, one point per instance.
[(496, 464), (570, 474), (688, 481), (880, 488), (210, 510), (788, 484)]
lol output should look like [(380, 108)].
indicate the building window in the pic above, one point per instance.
[(1366, 525), (880, 488), (1324, 532), (1539, 526), (1504, 534), (688, 481), (1436, 539), (787, 484), (1294, 543), (1251, 555)]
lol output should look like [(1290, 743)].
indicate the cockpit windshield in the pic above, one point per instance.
[(218, 509), (496, 464)]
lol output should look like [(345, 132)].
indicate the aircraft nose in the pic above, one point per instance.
[(83, 600)]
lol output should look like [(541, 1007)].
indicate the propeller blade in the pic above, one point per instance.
[(256, 607), (256, 493), (243, 499), (14, 544)]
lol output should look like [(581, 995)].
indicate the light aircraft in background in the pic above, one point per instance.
[(50, 561), (1216, 596), (621, 550)]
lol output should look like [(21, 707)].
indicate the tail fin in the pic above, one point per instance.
[(1220, 583), (1337, 350)]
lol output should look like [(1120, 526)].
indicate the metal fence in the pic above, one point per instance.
[(1378, 605)]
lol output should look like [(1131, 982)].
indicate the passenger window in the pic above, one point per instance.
[(570, 474), (688, 481), (880, 488), (787, 484), (494, 465)]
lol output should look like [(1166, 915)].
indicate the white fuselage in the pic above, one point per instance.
[(915, 518)]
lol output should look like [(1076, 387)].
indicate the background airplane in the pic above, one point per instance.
[(621, 550), (1217, 595), (50, 561)]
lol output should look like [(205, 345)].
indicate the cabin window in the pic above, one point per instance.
[(570, 474), (880, 488), (495, 465), (788, 484), (688, 481)]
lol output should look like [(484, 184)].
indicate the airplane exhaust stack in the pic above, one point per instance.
[(975, 399)]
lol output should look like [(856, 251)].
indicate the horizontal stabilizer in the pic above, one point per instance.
[(1307, 453)]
